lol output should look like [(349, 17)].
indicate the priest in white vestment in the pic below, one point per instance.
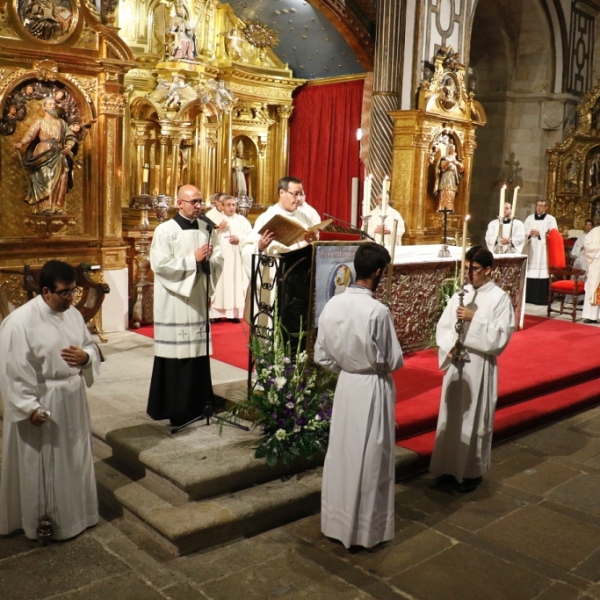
[(230, 292), (216, 214), (48, 358), (308, 210), (463, 439), (377, 226), (357, 339), (187, 261), (591, 247), (513, 233), (578, 252), (537, 226)]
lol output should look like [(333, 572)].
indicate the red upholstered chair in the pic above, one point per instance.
[(338, 236), (564, 279)]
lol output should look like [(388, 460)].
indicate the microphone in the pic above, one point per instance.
[(353, 227)]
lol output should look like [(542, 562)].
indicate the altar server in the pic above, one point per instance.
[(463, 440), (48, 358), (513, 232), (230, 291), (357, 339), (536, 227), (377, 225), (591, 302), (578, 252), (185, 258)]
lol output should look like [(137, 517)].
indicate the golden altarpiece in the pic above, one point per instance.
[(574, 169), (177, 93), (440, 132)]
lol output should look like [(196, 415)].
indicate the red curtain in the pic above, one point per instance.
[(324, 151)]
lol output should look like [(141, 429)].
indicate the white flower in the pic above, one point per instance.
[(280, 434), (290, 405), (280, 382), (286, 360)]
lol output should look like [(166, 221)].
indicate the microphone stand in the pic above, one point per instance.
[(353, 227), (209, 407)]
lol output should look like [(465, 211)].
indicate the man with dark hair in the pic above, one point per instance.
[(47, 357), (463, 440), (356, 338), (186, 259)]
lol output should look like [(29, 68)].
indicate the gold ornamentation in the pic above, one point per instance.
[(47, 226), (112, 104), (45, 70), (88, 38), (285, 112), (257, 34), (6, 28), (7, 80), (86, 85)]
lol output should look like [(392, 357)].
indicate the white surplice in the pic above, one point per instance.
[(463, 439), (216, 216), (357, 339), (310, 212), (59, 452), (391, 216), (535, 247), (591, 248), (518, 235), (230, 292), (180, 289), (578, 253)]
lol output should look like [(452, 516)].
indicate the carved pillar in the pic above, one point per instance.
[(174, 165), (284, 113), (162, 184), (140, 143), (226, 152), (387, 83), (209, 171)]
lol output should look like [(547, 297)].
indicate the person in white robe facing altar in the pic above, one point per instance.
[(308, 210), (591, 302), (463, 439), (376, 228), (537, 226), (357, 339), (513, 233), (230, 292), (48, 358), (186, 259)]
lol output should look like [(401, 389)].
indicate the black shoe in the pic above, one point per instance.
[(446, 480), (469, 485), (589, 321)]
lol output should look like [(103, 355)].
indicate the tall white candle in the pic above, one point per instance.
[(464, 251), (502, 200), (385, 194), (514, 206), (366, 207), (354, 202)]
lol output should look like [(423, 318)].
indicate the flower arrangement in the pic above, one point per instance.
[(292, 401)]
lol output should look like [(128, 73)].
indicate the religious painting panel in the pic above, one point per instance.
[(50, 21)]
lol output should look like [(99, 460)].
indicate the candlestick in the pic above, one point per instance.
[(464, 252), (385, 192), (354, 202), (502, 200), (514, 204), (366, 207), (383, 218), (390, 273)]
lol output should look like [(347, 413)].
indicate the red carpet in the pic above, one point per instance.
[(550, 369), (230, 341)]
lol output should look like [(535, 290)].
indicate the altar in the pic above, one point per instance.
[(420, 278)]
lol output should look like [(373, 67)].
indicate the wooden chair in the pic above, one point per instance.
[(564, 279)]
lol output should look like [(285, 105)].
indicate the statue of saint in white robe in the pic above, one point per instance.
[(463, 439), (357, 339), (59, 453)]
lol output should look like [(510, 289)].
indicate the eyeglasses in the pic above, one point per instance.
[(66, 293), (195, 202), (296, 194)]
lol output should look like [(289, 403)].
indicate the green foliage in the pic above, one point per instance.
[(292, 403)]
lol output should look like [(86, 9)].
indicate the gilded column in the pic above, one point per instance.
[(387, 85), (284, 113), (162, 183), (175, 165), (140, 143)]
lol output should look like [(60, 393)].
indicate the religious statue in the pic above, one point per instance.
[(46, 19), (184, 38), (223, 97), (595, 171), (48, 160), (173, 93), (173, 99), (448, 176), (240, 172), (232, 44), (572, 175)]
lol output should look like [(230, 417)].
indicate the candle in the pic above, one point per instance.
[(502, 201), (366, 208), (385, 192), (464, 252), (354, 202), (514, 206), (390, 273), (146, 173)]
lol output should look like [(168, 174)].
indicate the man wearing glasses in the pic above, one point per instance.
[(216, 214), (48, 358), (463, 440), (186, 258)]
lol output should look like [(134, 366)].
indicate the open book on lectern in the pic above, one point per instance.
[(288, 232)]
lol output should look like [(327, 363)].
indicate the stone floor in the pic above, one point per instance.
[(531, 531)]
